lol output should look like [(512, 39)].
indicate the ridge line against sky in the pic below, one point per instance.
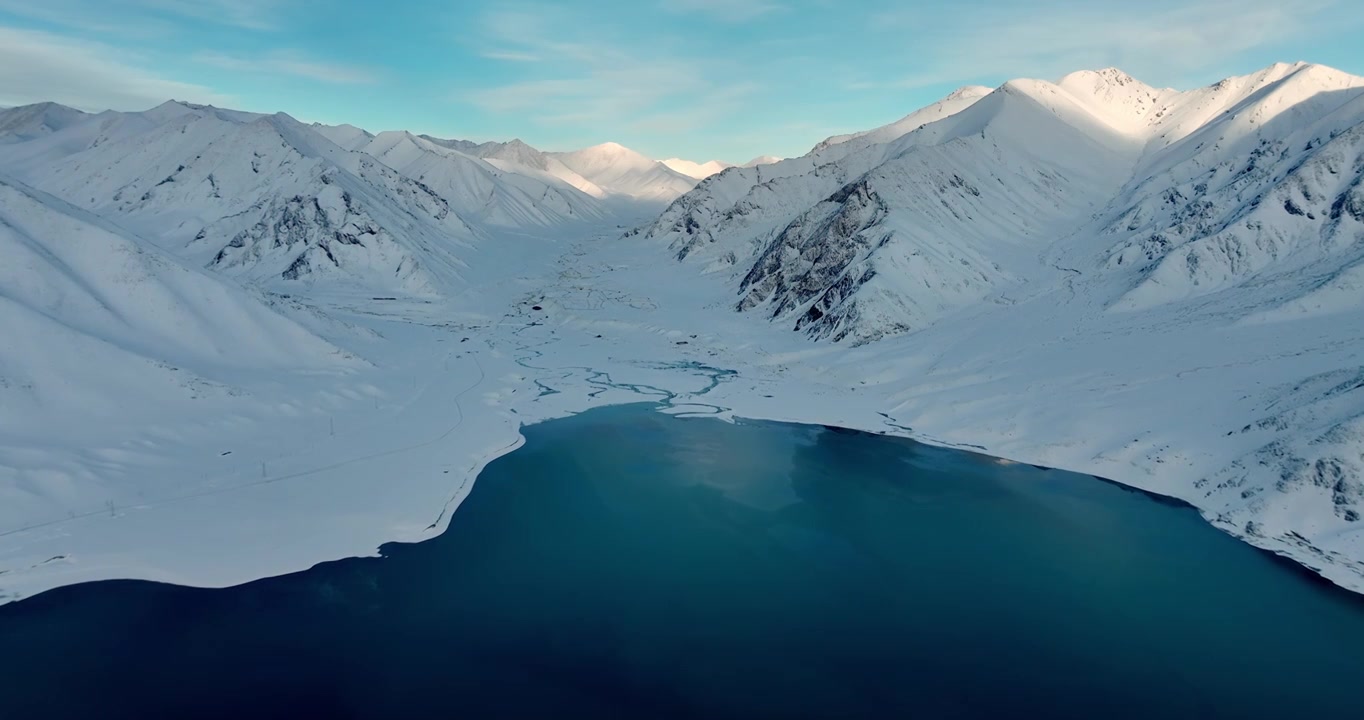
[(697, 79)]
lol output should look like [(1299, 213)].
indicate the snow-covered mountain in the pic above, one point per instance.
[(761, 160), (699, 171), (485, 191), (261, 197), (1194, 192), (621, 171), (346, 136), (78, 289), (516, 156), (27, 122), (271, 200), (1254, 183), (959, 100), (804, 237)]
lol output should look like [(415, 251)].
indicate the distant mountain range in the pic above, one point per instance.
[(701, 171), (268, 199)]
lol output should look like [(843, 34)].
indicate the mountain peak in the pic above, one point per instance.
[(700, 171), (968, 91), (1109, 78), (957, 100), (622, 171), (45, 106), (1327, 76), (1115, 75), (29, 121), (610, 148)]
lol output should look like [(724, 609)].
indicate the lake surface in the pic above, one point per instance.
[(626, 563)]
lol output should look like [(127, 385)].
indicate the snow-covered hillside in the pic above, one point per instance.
[(272, 201), (869, 260), (762, 160), (345, 136), (481, 192), (102, 327), (703, 170), (1196, 191), (260, 197), (699, 171), (28, 122), (952, 104), (622, 171)]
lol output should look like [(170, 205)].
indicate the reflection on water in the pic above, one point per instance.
[(625, 563)]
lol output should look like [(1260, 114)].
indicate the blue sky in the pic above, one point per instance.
[(701, 79)]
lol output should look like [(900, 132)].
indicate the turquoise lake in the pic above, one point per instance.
[(627, 563)]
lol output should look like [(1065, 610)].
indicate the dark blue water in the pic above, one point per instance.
[(625, 563)]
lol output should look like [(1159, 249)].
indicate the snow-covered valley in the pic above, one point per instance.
[(240, 345)]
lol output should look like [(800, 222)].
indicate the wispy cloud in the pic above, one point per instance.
[(510, 56), (291, 63), (600, 79), (1152, 39), (37, 66), (148, 17), (724, 10), (249, 14)]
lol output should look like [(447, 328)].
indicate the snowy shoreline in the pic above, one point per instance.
[(475, 383)]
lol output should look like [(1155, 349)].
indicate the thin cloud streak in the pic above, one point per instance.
[(733, 11), (291, 63), (37, 66), (149, 18), (510, 56), (1157, 41), (602, 83)]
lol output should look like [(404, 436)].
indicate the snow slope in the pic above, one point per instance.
[(869, 260), (517, 156), (479, 191), (621, 171), (261, 197), (959, 100), (103, 325), (272, 201), (345, 136), (1196, 191), (28, 122), (699, 171), (761, 160)]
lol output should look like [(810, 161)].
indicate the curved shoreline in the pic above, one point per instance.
[(672, 401), (498, 369)]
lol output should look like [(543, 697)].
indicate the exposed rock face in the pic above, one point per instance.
[(263, 198), (818, 262)]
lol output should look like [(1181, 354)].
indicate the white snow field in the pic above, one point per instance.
[(238, 345)]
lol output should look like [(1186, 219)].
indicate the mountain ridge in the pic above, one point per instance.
[(1142, 131)]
